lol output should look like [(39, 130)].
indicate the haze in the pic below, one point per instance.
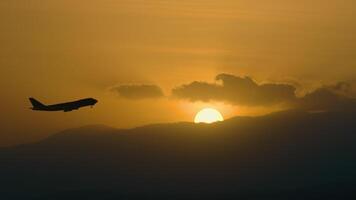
[(63, 50)]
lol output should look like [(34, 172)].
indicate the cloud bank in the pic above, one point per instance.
[(327, 98), (136, 92), (245, 91), (238, 91)]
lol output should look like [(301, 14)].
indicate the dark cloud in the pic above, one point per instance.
[(139, 91), (246, 92), (344, 88), (334, 97), (237, 90), (198, 91)]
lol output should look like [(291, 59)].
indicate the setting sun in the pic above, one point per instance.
[(208, 115)]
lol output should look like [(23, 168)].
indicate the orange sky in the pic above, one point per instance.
[(62, 50)]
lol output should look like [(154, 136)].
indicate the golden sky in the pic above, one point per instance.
[(62, 50)]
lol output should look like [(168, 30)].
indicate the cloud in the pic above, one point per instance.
[(237, 90), (333, 97), (137, 92), (245, 91), (346, 88)]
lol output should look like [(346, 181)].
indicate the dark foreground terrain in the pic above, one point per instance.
[(287, 155)]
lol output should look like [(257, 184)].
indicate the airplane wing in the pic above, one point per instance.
[(70, 108)]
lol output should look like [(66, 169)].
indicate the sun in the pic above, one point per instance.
[(208, 115)]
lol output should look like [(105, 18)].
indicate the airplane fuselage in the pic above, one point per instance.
[(66, 107)]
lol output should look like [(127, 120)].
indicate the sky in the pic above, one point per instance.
[(163, 61)]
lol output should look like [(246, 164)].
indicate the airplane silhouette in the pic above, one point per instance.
[(66, 107)]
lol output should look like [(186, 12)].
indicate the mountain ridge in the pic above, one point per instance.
[(286, 155)]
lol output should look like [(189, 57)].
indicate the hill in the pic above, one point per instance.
[(285, 155)]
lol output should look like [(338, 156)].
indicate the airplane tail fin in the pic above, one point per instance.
[(36, 104)]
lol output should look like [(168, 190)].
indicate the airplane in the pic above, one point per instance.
[(65, 107)]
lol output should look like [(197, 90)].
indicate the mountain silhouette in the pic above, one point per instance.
[(284, 155)]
